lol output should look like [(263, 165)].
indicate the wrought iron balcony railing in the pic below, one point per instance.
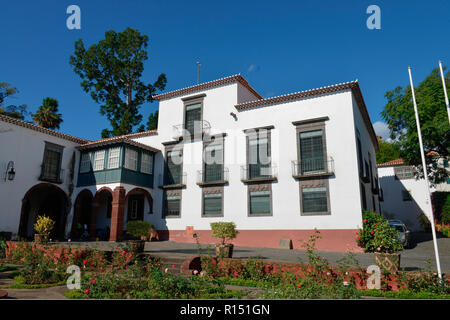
[(212, 175), (256, 172), (313, 167), (169, 181), (197, 128), (51, 174)]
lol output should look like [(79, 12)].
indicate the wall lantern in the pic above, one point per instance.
[(10, 172)]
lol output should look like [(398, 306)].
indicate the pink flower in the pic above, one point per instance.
[(195, 272), (94, 281), (166, 270), (86, 291), (345, 283), (379, 249), (299, 286), (84, 262), (202, 273), (371, 232), (123, 252), (173, 266)]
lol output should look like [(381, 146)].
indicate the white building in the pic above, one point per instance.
[(278, 167), (404, 196)]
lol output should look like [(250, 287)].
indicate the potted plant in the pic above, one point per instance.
[(140, 231), (43, 226), (224, 231), (379, 237)]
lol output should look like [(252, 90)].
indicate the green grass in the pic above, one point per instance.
[(20, 284), (7, 268), (74, 294), (403, 294)]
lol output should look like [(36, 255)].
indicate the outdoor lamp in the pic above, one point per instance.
[(10, 172)]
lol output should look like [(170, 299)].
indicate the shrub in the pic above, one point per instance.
[(138, 229), (377, 235), (441, 206), (44, 225), (224, 231)]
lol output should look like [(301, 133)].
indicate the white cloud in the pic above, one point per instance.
[(382, 130), (251, 68)]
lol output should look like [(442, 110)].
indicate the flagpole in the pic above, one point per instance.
[(445, 90), (428, 198)]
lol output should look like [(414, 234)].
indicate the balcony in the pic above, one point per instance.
[(313, 168), (212, 176), (50, 174), (258, 173), (174, 181), (198, 128)]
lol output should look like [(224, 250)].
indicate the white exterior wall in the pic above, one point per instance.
[(394, 207), (367, 148), (218, 103), (26, 148)]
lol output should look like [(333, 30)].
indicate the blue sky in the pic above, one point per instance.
[(278, 46)]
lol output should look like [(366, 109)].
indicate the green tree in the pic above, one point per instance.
[(399, 115), (47, 115), (111, 71), (388, 151), (152, 123), (18, 112)]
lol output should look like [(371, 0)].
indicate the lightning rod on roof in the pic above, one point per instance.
[(198, 71)]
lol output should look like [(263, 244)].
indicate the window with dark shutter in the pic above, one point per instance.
[(51, 165), (314, 200), (174, 167), (212, 204), (260, 202), (193, 115), (258, 157), (213, 162), (172, 206), (311, 151)]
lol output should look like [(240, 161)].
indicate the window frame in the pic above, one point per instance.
[(315, 183), (308, 127), (191, 101), (89, 154), (118, 158), (95, 159), (172, 193), (402, 176), (216, 141), (166, 165), (125, 159), (257, 188), (212, 191), (249, 134), (150, 162), (55, 148)]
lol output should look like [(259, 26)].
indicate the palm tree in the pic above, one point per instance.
[(47, 115)]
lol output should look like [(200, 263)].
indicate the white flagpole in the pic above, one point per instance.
[(424, 165), (445, 90)]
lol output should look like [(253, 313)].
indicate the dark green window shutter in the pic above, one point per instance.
[(173, 206), (213, 171), (260, 202), (212, 204), (173, 169), (311, 151), (258, 157), (314, 199), (193, 114)]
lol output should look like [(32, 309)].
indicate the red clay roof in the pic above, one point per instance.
[(392, 163), (124, 139), (352, 85), (34, 127), (207, 85)]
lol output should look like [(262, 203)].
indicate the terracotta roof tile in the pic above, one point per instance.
[(392, 163), (34, 127), (208, 85), (120, 139)]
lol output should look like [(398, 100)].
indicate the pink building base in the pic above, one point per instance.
[(342, 240)]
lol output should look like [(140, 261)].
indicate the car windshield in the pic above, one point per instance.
[(398, 227)]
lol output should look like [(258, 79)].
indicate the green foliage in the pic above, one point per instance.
[(441, 206), (20, 283), (376, 235), (18, 112), (224, 230), (400, 117), (44, 225), (47, 115), (7, 268), (111, 71), (40, 269), (403, 294), (139, 229), (152, 123), (388, 151)]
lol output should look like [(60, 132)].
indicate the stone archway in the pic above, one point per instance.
[(48, 199), (82, 213), (101, 213)]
